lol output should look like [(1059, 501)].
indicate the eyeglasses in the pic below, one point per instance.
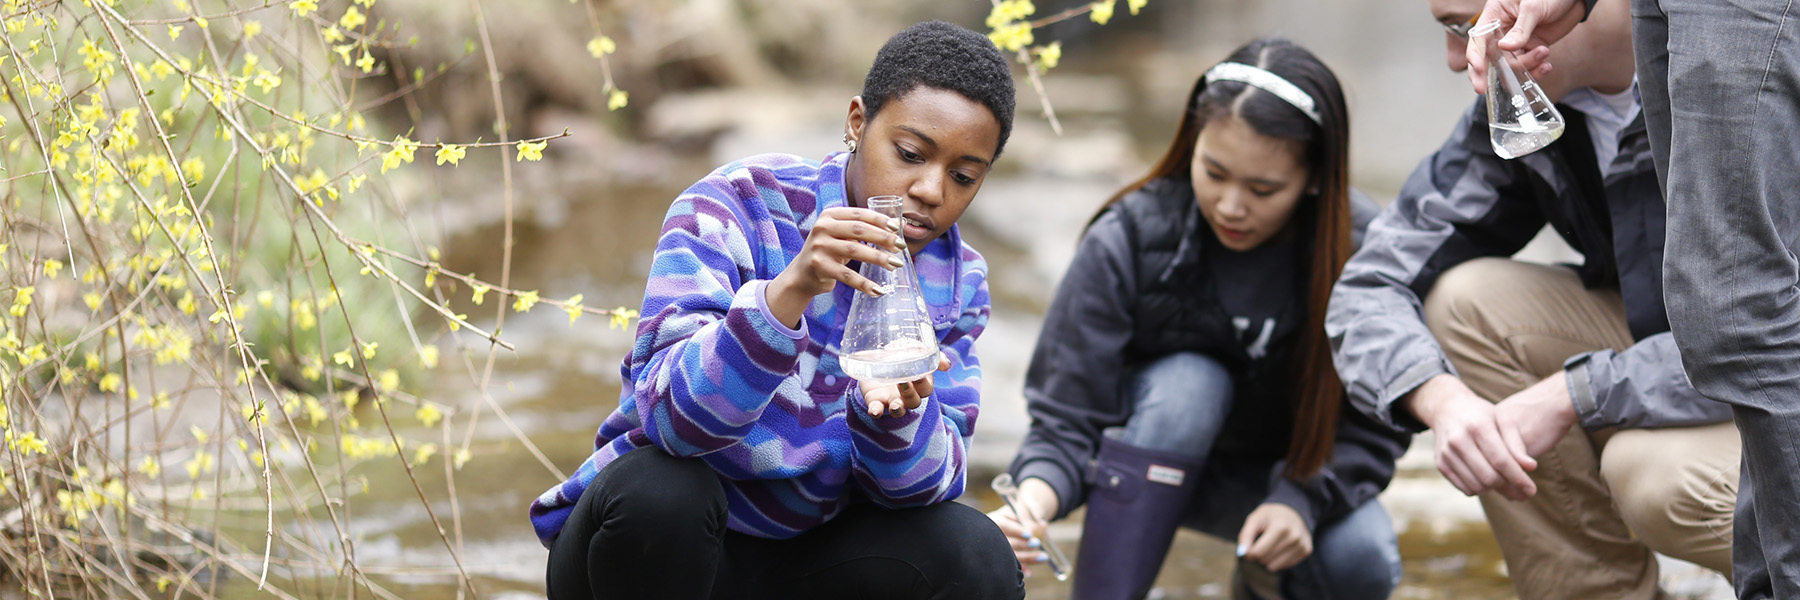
[(1461, 30)]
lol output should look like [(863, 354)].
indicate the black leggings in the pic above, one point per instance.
[(653, 526)]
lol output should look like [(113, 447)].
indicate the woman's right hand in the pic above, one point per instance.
[(1035, 497), (836, 238)]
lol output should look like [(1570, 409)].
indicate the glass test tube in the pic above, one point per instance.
[(1003, 485)]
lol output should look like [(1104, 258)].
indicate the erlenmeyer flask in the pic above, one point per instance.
[(889, 338), (1521, 119)]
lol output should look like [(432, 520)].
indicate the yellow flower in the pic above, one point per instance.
[(573, 307), (368, 350), (344, 357), (266, 81), (448, 153), (1049, 55), (202, 461), (27, 444), (1009, 11), (149, 467), (199, 434), (429, 414), (428, 356), (366, 63), (1012, 37), (52, 267), (332, 36), (160, 401), (174, 32), (1134, 5), (462, 456), (111, 382), (621, 317), (480, 291), (22, 300), (423, 453), (389, 380), (525, 300), (352, 19), (1103, 11), (201, 21), (617, 100), (531, 150), (302, 7), (252, 29), (402, 152), (601, 46)]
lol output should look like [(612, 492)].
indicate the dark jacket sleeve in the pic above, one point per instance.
[(1072, 388), (1363, 457), (1362, 464), (1463, 202)]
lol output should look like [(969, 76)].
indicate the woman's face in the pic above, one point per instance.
[(1247, 183), (930, 146)]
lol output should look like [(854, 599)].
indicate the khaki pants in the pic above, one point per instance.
[(1606, 499)]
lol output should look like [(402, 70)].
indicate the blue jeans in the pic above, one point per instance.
[(1721, 89), (1180, 404)]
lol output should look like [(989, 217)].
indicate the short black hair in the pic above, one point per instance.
[(947, 56)]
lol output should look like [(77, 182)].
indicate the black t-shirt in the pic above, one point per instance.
[(1254, 287)]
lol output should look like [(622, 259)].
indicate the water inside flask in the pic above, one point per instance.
[(1521, 118), (889, 338)]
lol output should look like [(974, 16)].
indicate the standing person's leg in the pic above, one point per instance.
[(649, 526), (1505, 325), (1733, 78), (945, 551), (1145, 478)]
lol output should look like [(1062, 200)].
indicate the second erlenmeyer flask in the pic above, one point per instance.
[(889, 338), (1521, 118)]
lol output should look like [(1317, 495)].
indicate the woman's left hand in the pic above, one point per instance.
[(896, 399), (1276, 536)]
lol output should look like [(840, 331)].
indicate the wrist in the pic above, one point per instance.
[(785, 300), (1426, 400), (1039, 498)]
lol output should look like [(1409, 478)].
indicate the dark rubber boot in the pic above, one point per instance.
[(1138, 500)]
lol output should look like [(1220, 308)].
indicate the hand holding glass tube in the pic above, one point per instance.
[(1003, 485)]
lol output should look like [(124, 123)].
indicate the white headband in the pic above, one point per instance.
[(1269, 82)]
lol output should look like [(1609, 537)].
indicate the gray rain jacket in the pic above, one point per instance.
[(1464, 202)]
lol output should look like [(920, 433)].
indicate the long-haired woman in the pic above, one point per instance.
[(1183, 378)]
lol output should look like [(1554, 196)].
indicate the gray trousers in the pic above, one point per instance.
[(1721, 89)]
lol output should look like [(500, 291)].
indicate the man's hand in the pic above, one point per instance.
[(896, 399), (1535, 25), (1275, 535), (1474, 451), (1541, 414)]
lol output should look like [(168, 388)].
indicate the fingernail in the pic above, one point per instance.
[(899, 242), (1034, 543), (896, 262), (1030, 536), (1241, 550), (1043, 557)]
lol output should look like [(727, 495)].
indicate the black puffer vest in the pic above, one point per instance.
[(1178, 310)]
